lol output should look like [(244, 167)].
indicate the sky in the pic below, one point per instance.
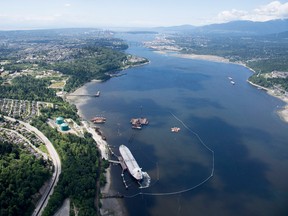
[(35, 14)]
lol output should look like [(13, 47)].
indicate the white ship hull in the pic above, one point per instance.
[(131, 163)]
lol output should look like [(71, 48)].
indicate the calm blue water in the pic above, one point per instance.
[(239, 123)]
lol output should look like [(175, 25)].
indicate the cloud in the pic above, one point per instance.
[(67, 5), (273, 10), (231, 15)]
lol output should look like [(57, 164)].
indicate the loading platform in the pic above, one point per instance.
[(120, 161)]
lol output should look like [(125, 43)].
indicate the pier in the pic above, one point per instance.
[(114, 161), (109, 196), (123, 166), (120, 161), (97, 94)]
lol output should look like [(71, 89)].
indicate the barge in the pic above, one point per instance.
[(98, 120), (138, 122)]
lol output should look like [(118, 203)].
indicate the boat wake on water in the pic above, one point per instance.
[(144, 179), (145, 183)]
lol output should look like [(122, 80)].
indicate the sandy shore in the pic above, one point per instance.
[(194, 56), (101, 144), (202, 57), (282, 112), (111, 206), (258, 86), (73, 98)]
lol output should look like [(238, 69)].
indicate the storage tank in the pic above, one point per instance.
[(59, 120), (64, 127)]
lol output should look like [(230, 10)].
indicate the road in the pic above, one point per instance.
[(45, 156), (57, 166)]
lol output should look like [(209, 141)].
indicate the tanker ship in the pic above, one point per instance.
[(131, 163)]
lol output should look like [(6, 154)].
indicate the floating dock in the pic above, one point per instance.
[(138, 122), (175, 129)]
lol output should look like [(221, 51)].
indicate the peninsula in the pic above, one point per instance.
[(37, 70)]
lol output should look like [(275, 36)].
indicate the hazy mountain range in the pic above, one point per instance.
[(234, 27)]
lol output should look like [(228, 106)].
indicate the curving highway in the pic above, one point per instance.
[(57, 166)]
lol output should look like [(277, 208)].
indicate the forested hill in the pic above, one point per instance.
[(17, 188), (90, 63), (262, 46), (34, 65), (81, 54)]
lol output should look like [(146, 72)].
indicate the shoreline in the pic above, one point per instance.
[(111, 206), (281, 112), (115, 206), (212, 58)]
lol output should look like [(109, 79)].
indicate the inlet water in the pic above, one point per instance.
[(238, 122)]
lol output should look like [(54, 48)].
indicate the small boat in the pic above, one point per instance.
[(97, 94), (230, 78), (175, 129), (232, 82)]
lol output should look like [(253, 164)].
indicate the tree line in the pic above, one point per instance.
[(90, 63), (81, 167), (28, 88), (269, 82), (261, 53), (80, 170), (21, 177)]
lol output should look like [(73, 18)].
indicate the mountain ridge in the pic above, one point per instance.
[(234, 27)]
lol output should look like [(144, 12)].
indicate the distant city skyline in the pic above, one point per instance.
[(36, 14)]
